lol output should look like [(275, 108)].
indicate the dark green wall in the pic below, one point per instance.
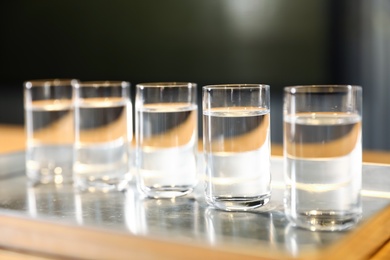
[(280, 42)]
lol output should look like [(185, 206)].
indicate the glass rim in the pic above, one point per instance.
[(103, 84), (321, 88), (50, 82), (167, 84), (236, 86)]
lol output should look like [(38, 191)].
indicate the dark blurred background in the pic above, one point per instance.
[(276, 42)]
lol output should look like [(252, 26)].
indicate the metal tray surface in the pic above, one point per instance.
[(187, 218)]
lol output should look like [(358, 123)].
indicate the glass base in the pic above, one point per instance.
[(238, 203), (325, 220), (38, 179), (100, 185), (166, 192)]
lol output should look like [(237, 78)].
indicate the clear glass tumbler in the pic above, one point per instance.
[(166, 138), (236, 144), (102, 135), (49, 127), (323, 156)]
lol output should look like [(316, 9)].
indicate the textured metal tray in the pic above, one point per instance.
[(185, 219)]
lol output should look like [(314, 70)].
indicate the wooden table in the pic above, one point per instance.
[(370, 240)]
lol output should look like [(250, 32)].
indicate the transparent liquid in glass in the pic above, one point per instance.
[(167, 149), (49, 153), (237, 154), (323, 169), (102, 143)]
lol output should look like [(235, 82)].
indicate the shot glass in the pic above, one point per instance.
[(166, 138), (323, 156), (236, 143), (103, 134), (49, 130)]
